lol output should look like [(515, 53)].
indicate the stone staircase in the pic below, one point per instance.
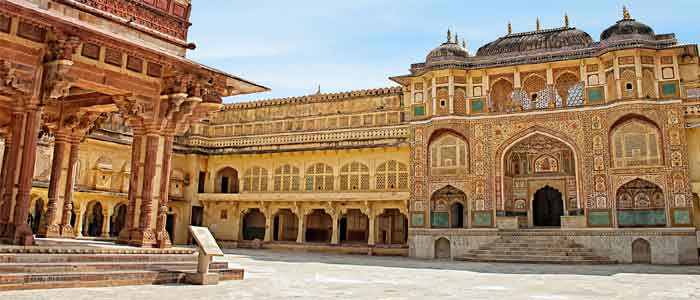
[(537, 249), (50, 267)]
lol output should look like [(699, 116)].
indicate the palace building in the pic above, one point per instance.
[(547, 136)]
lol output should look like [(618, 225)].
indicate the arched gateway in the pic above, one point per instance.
[(539, 179)]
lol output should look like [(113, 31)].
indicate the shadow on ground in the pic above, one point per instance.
[(493, 268)]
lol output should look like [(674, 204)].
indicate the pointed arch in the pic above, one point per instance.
[(501, 95), (635, 141)]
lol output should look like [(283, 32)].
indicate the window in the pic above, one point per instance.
[(448, 155), (286, 179), (255, 180), (354, 176), (319, 177), (392, 175), (201, 182), (636, 143)]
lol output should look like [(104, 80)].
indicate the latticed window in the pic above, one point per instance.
[(286, 179), (636, 143), (255, 180), (354, 176), (392, 175), (319, 177), (448, 155)]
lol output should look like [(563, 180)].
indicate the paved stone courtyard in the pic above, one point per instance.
[(285, 275)]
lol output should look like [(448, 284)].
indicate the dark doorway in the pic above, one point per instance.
[(201, 182), (170, 227), (457, 215), (343, 229), (276, 229), (224, 184), (547, 207), (196, 219)]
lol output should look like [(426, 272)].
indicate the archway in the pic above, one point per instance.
[(529, 164), (118, 219), (285, 226), (442, 248), (641, 203), (319, 226), (93, 220), (547, 207), (447, 208), (641, 251), (392, 228), (254, 225), (354, 227), (227, 181)]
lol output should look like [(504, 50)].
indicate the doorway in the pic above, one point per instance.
[(547, 207)]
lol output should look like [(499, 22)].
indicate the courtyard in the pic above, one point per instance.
[(294, 275)]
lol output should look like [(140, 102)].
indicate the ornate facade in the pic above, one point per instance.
[(540, 130)]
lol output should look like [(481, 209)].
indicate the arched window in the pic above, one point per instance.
[(570, 89), (448, 155), (392, 175), (636, 142), (534, 86), (255, 180), (354, 176), (319, 177), (648, 83), (501, 95), (286, 179), (629, 84), (227, 181), (641, 203)]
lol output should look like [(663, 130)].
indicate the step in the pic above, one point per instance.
[(102, 267), (94, 250), (542, 249), (565, 262), (68, 258), (24, 281), (535, 258), (525, 252), (535, 245)]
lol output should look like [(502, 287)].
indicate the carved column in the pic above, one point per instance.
[(372, 231), (66, 228), (301, 228), (128, 229), (268, 226), (23, 233), (162, 236), (145, 235), (3, 175), (50, 223), (335, 233), (10, 171), (106, 222), (78, 230)]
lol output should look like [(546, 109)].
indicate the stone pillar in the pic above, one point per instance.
[(372, 232), (66, 228), (3, 170), (78, 230), (8, 176), (50, 222), (162, 236), (145, 234), (106, 222), (335, 233), (128, 229), (12, 174), (268, 226), (23, 232), (301, 228)]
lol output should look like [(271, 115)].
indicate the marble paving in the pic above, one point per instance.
[(286, 275)]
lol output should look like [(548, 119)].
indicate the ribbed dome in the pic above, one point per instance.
[(537, 41), (447, 52), (628, 29)]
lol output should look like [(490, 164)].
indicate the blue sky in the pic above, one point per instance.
[(293, 46)]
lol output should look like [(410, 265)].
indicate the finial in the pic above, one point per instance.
[(318, 91), (464, 43), (566, 20), (537, 26), (626, 13), (510, 27), (449, 36), (457, 38)]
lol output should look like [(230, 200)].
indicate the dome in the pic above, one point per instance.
[(628, 29), (564, 38), (448, 51)]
